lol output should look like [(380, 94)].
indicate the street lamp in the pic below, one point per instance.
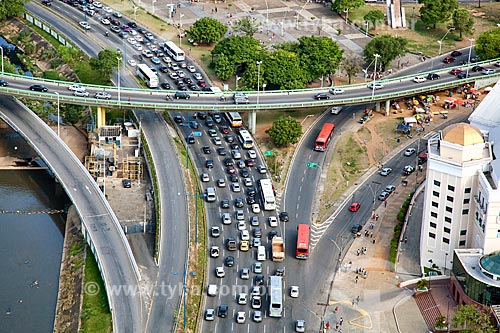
[(309, 115), (237, 79), (119, 95), (1, 49), (104, 171), (374, 191), (258, 81), (366, 31), (430, 271), (376, 55), (471, 40), (282, 28), (445, 261), (440, 42), (58, 119), (153, 4), (180, 19)]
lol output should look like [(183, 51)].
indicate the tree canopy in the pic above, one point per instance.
[(11, 8), (248, 26), (106, 61), (285, 130), (463, 22), (343, 5), (239, 49), (437, 11), (488, 44), (388, 47), (282, 70), (471, 320), (374, 16), (207, 30), (223, 68), (351, 65)]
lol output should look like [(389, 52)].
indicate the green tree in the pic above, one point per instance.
[(374, 16), (285, 130), (73, 114), (248, 26), (488, 44), (343, 5), (351, 64), (207, 30), (388, 47), (249, 76), (437, 11), (463, 22), (11, 8), (283, 70), (239, 49), (223, 68), (69, 54), (471, 320), (106, 61)]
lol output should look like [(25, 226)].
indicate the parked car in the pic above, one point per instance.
[(448, 60), (456, 53)]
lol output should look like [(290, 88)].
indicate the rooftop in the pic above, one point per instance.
[(462, 134)]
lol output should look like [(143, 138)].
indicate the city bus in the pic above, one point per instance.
[(324, 137), (146, 74), (234, 119), (302, 241), (267, 194), (275, 296), (245, 138), (174, 51)]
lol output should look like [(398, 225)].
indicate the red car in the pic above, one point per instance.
[(231, 170), (455, 71), (448, 60), (202, 83), (224, 129), (354, 207)]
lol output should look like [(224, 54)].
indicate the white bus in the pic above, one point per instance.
[(267, 194), (275, 296), (234, 119), (145, 73), (245, 138), (174, 51)]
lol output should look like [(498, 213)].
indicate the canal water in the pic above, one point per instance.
[(31, 244)]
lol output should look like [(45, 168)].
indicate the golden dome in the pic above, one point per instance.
[(462, 134)]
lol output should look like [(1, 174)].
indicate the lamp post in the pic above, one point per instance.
[(119, 95), (309, 115), (440, 42), (430, 271), (180, 19), (366, 30), (374, 191), (258, 81), (184, 291), (237, 79), (376, 55), (445, 261), (153, 4), (196, 196), (471, 40), (85, 13), (282, 28), (104, 171), (1, 49), (58, 118)]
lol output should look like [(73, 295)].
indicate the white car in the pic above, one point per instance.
[(244, 235), (75, 87), (256, 242), (138, 38), (261, 169), (219, 272), (273, 221), (252, 154), (81, 93), (131, 40), (138, 47), (247, 182), (107, 9), (375, 86), (242, 299), (84, 25), (209, 314), (241, 225), (257, 316), (419, 79), (385, 171), (97, 4), (300, 326), (191, 68), (167, 60), (204, 177), (294, 291), (410, 151), (197, 76), (240, 215), (336, 91), (132, 62), (255, 208), (102, 95), (105, 21), (217, 141), (221, 182), (257, 268), (245, 274), (236, 187), (241, 317), (488, 71), (226, 218), (147, 54)]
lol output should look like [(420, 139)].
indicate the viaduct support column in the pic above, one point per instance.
[(377, 107), (252, 121), (387, 107), (101, 117)]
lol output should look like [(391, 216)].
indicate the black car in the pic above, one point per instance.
[(433, 76), (3, 83), (178, 119), (202, 115), (271, 234), (244, 173), (233, 178), (206, 150), (456, 53), (321, 96), (209, 164), (238, 202), (228, 161), (47, 2), (257, 232), (224, 204), (141, 30), (179, 82), (229, 261), (193, 87), (234, 146), (39, 87), (126, 183), (356, 228), (221, 151), (251, 191), (223, 310), (250, 200), (132, 24), (193, 124), (181, 95), (163, 69), (165, 85), (477, 68), (187, 80), (462, 75), (209, 123), (190, 139), (258, 280), (182, 87), (284, 217), (229, 138)]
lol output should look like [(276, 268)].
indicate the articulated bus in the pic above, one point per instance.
[(234, 119), (275, 296), (146, 74), (324, 137), (245, 138), (174, 51), (302, 241), (267, 194)]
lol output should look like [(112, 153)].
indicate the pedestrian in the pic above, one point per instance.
[(337, 326), (365, 250), (327, 325), (371, 235), (376, 217), (385, 203), (357, 299), (366, 233), (357, 252), (129, 100), (341, 321), (371, 225), (336, 309), (356, 279), (216, 9), (373, 241), (353, 302)]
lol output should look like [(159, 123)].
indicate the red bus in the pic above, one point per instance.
[(324, 137), (302, 241)]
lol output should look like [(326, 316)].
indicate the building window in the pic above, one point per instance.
[(498, 233), (449, 209), (432, 235), (433, 225), (447, 219), (435, 204), (446, 240), (447, 230), (451, 188), (461, 243), (466, 201), (463, 232), (434, 214), (437, 183), (449, 198), (467, 190), (435, 193), (465, 211)]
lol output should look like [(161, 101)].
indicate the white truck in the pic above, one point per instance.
[(278, 249)]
